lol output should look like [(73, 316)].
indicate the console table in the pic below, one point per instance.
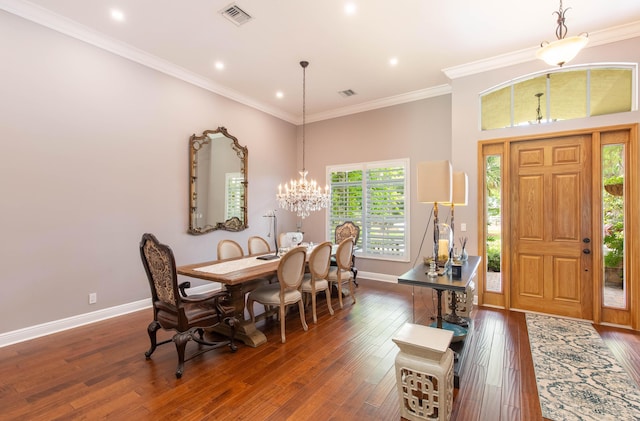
[(418, 277)]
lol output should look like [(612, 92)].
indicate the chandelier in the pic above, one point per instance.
[(303, 196), (563, 49)]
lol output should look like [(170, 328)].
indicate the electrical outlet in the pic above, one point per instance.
[(93, 298), (463, 227)]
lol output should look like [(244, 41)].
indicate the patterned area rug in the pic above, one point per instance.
[(577, 375)]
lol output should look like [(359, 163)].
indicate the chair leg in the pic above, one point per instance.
[(152, 330), (340, 290), (282, 323), (352, 290), (302, 318), (313, 306), (328, 295), (181, 340)]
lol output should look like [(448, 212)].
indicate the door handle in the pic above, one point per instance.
[(586, 240), (586, 251)]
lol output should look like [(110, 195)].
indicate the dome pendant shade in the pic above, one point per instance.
[(562, 51)]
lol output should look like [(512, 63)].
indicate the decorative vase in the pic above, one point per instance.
[(463, 255)]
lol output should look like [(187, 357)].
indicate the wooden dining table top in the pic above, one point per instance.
[(236, 270), (231, 271)]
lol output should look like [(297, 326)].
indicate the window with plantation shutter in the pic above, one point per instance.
[(234, 193), (372, 195)]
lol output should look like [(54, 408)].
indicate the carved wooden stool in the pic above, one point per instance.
[(424, 372)]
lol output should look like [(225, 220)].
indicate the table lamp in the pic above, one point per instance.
[(459, 197), (434, 186)]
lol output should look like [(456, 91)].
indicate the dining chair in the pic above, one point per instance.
[(188, 316), (316, 280), (258, 245), (287, 291), (283, 241), (228, 249), (345, 230), (342, 273)]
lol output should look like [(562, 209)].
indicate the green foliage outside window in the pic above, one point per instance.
[(493, 254), (613, 205), (493, 184)]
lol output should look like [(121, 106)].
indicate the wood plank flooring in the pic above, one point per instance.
[(341, 369)]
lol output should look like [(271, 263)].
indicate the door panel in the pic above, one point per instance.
[(551, 196)]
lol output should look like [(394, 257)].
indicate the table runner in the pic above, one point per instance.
[(233, 265)]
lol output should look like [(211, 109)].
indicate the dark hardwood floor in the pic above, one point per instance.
[(341, 369)]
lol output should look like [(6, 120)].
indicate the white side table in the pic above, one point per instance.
[(424, 372), (464, 300)]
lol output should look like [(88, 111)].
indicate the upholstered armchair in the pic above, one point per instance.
[(345, 230), (316, 280), (188, 316), (342, 274), (286, 291), (257, 245), (228, 249)]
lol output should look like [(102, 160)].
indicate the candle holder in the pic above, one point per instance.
[(444, 246)]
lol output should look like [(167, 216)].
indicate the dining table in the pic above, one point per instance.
[(239, 276)]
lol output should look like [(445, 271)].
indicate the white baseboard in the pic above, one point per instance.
[(48, 328), (382, 277)]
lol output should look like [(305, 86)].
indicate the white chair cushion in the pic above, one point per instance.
[(321, 284), (270, 295), (333, 274)]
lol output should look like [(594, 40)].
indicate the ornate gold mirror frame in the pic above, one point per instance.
[(217, 182)]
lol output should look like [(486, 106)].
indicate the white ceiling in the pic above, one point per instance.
[(261, 57)]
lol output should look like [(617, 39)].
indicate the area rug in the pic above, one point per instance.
[(578, 377)]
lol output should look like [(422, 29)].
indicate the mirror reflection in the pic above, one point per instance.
[(217, 182)]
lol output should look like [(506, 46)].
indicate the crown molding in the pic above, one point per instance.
[(606, 36), (381, 103), (73, 29)]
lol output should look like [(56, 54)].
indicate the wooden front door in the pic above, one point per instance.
[(551, 226)]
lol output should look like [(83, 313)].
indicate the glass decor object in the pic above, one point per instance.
[(445, 246)]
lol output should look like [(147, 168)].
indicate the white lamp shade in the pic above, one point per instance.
[(460, 194), (562, 51), (434, 182)]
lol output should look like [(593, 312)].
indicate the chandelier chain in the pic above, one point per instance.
[(304, 109)]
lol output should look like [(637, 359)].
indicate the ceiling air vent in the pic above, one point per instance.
[(235, 14), (347, 93)]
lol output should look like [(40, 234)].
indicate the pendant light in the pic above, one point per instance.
[(303, 196), (563, 49)]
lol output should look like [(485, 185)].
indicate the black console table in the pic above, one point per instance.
[(418, 277)]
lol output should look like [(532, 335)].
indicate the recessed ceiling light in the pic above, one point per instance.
[(219, 65), (393, 61), (279, 94), (350, 8), (117, 15)]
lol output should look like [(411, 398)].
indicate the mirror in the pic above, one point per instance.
[(217, 182)]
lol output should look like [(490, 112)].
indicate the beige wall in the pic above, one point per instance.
[(419, 130), (93, 153)]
